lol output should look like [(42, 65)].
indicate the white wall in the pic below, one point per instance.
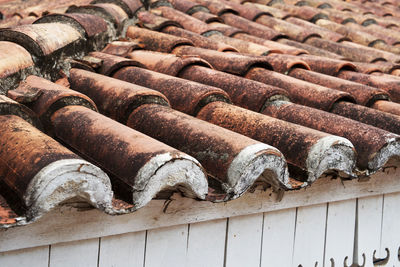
[(315, 235)]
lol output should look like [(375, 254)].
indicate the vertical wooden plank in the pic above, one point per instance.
[(81, 253), (28, 257), (340, 228), (122, 250), (206, 244), (243, 245), (166, 246), (278, 238), (390, 228), (369, 228), (310, 236)]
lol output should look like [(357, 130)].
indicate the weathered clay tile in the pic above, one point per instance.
[(188, 22), (206, 17), (377, 31), (187, 6), (89, 25), (275, 47), (385, 55), (199, 40), (41, 39), (156, 41), (267, 10), (11, 107), (387, 106), (251, 27), (304, 12), (233, 159), (247, 93), (309, 48), (364, 95), (185, 96), (154, 22), (224, 29), (377, 118), (327, 66), (110, 12), (45, 97), (165, 63), (217, 7), (110, 64), (13, 58), (389, 84), (373, 145), (300, 92), (360, 53), (311, 151), (220, 151), (244, 46), (41, 173), (121, 48), (285, 63), (117, 99), (323, 32), (134, 168), (131, 7), (140, 166), (229, 62)]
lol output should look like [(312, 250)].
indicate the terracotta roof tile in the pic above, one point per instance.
[(337, 61)]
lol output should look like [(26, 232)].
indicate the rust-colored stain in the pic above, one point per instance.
[(185, 96)]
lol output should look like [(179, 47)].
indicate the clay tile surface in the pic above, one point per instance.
[(208, 98), (41, 39), (131, 7), (13, 58), (156, 41), (90, 24)]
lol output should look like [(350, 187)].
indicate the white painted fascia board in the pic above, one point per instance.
[(69, 224)]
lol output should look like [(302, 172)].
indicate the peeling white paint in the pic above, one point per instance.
[(392, 149), (330, 153), (165, 172), (65, 179), (251, 163)]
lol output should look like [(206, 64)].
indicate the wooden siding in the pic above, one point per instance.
[(317, 235)]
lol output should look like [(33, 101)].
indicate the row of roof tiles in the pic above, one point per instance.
[(206, 97)]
